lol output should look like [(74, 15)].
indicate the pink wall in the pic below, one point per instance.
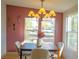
[(16, 15)]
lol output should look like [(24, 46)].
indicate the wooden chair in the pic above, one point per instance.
[(40, 54), (60, 50)]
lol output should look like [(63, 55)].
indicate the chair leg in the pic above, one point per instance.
[(25, 57)]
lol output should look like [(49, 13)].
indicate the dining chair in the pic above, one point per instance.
[(60, 48), (18, 46), (39, 53)]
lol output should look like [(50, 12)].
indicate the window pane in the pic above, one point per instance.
[(74, 24), (31, 23), (69, 24), (72, 38)]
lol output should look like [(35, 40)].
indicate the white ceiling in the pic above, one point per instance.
[(57, 5)]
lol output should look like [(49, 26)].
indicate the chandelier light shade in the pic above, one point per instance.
[(47, 15), (36, 16), (31, 13), (52, 13), (42, 11)]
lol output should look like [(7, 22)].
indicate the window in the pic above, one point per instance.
[(48, 27), (72, 31), (31, 29)]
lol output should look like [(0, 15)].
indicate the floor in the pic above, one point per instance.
[(11, 55), (14, 55)]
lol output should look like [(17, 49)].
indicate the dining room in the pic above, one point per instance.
[(39, 29)]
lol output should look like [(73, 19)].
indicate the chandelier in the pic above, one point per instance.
[(42, 12)]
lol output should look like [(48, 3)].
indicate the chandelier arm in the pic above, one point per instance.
[(42, 3)]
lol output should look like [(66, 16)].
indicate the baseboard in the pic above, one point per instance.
[(12, 52)]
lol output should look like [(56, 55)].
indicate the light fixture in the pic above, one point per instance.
[(43, 12)]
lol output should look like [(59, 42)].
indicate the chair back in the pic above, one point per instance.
[(61, 47), (18, 45), (39, 54)]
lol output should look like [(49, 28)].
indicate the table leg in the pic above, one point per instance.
[(20, 54)]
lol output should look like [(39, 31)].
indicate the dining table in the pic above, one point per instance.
[(30, 46)]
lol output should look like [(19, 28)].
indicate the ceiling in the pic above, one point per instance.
[(57, 5)]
